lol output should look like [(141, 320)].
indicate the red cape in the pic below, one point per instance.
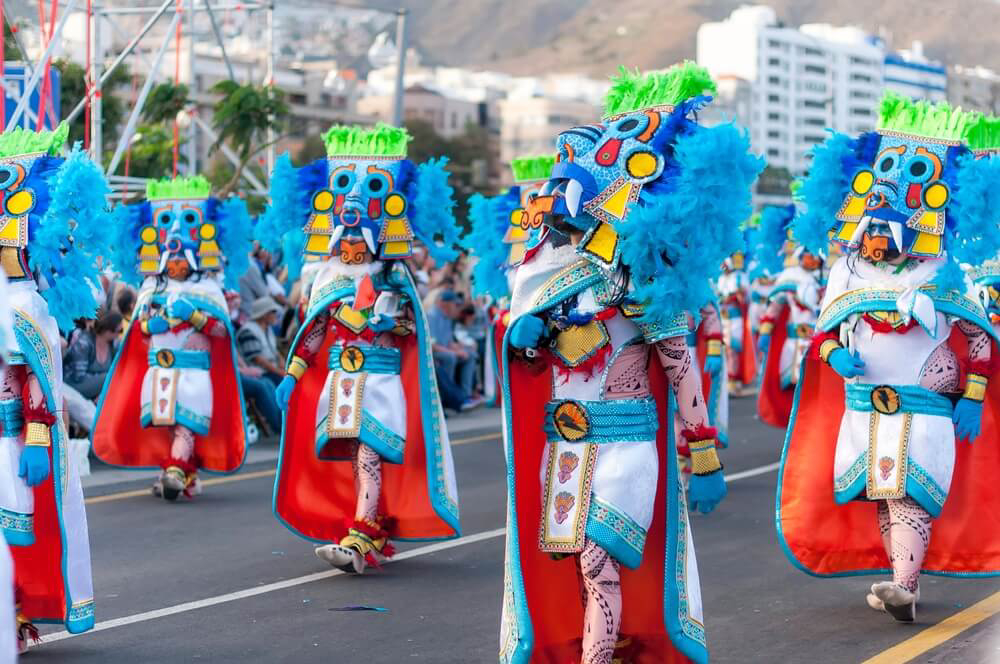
[(118, 438), (774, 405), (826, 539), (552, 587)]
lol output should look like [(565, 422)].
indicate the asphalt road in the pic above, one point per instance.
[(231, 580)]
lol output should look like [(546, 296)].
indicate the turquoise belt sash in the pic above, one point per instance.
[(800, 330), (169, 358), (893, 399), (616, 421), (370, 359), (11, 418)]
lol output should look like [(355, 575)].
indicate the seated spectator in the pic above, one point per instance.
[(90, 353), (126, 307), (256, 339), (253, 283), (259, 393), (455, 361)]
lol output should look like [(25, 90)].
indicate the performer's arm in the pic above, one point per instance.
[(184, 310), (298, 364), (34, 464), (711, 327), (968, 413), (707, 486)]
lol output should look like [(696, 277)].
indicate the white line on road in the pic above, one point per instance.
[(319, 576), (269, 588)]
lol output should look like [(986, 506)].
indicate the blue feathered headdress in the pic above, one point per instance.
[(68, 232), (490, 219), (432, 201), (770, 236), (685, 224), (235, 237)]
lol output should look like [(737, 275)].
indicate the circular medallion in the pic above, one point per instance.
[(886, 400), (570, 420), (165, 358), (804, 330), (352, 359)]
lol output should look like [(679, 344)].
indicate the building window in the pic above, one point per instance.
[(860, 94), (865, 112), (773, 43), (774, 99), (814, 86), (774, 116), (297, 99), (864, 78), (812, 138), (813, 103), (815, 69), (773, 152), (774, 62), (815, 122), (774, 80), (774, 133), (454, 120), (812, 51)]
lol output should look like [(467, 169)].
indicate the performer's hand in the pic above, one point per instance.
[(713, 364), (34, 464), (526, 332), (381, 323), (763, 343), (968, 419), (706, 491), (182, 309), (283, 393), (846, 364), (157, 324)]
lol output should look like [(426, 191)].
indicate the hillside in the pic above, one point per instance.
[(595, 36)]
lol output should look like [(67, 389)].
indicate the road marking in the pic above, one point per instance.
[(937, 634), (752, 472), (270, 587), (135, 493)]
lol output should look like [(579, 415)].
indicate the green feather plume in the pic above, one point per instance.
[(178, 188), (633, 91), (380, 141), (18, 141), (984, 134), (922, 118)]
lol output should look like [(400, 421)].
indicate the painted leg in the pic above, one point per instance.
[(366, 542), (909, 536), (603, 611), (883, 529)]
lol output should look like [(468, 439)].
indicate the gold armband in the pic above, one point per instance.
[(296, 367), (766, 327), (826, 349), (198, 320), (704, 458), (975, 387), (714, 347), (37, 434)]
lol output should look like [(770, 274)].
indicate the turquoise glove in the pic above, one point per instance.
[(526, 332), (713, 364), (846, 364), (34, 464), (181, 309), (706, 491), (157, 325), (283, 393), (763, 343), (968, 419), (381, 323)]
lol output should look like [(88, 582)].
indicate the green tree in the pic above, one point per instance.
[(313, 148), (164, 102), (152, 154), (242, 117)]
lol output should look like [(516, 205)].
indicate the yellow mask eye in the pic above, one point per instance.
[(641, 164), (395, 205), (862, 183), (936, 196), (207, 232), (148, 235), (20, 203), (323, 201)]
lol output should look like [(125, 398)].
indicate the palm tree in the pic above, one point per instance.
[(243, 117)]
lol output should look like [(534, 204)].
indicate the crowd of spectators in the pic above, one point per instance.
[(265, 313)]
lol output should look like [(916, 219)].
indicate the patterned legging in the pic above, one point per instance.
[(906, 531), (602, 602)]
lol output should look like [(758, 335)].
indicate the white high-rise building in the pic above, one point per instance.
[(911, 73), (803, 80)]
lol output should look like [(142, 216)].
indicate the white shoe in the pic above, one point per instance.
[(878, 605), (342, 557), (896, 600)]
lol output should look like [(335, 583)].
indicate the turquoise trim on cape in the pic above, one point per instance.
[(777, 510), (217, 313), (386, 444), (18, 528), (615, 532), (400, 280)]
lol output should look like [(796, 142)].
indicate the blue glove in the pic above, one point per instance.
[(763, 343), (381, 323), (713, 364), (526, 332), (706, 491), (34, 464), (968, 419), (846, 364), (157, 325), (283, 393), (181, 309)]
